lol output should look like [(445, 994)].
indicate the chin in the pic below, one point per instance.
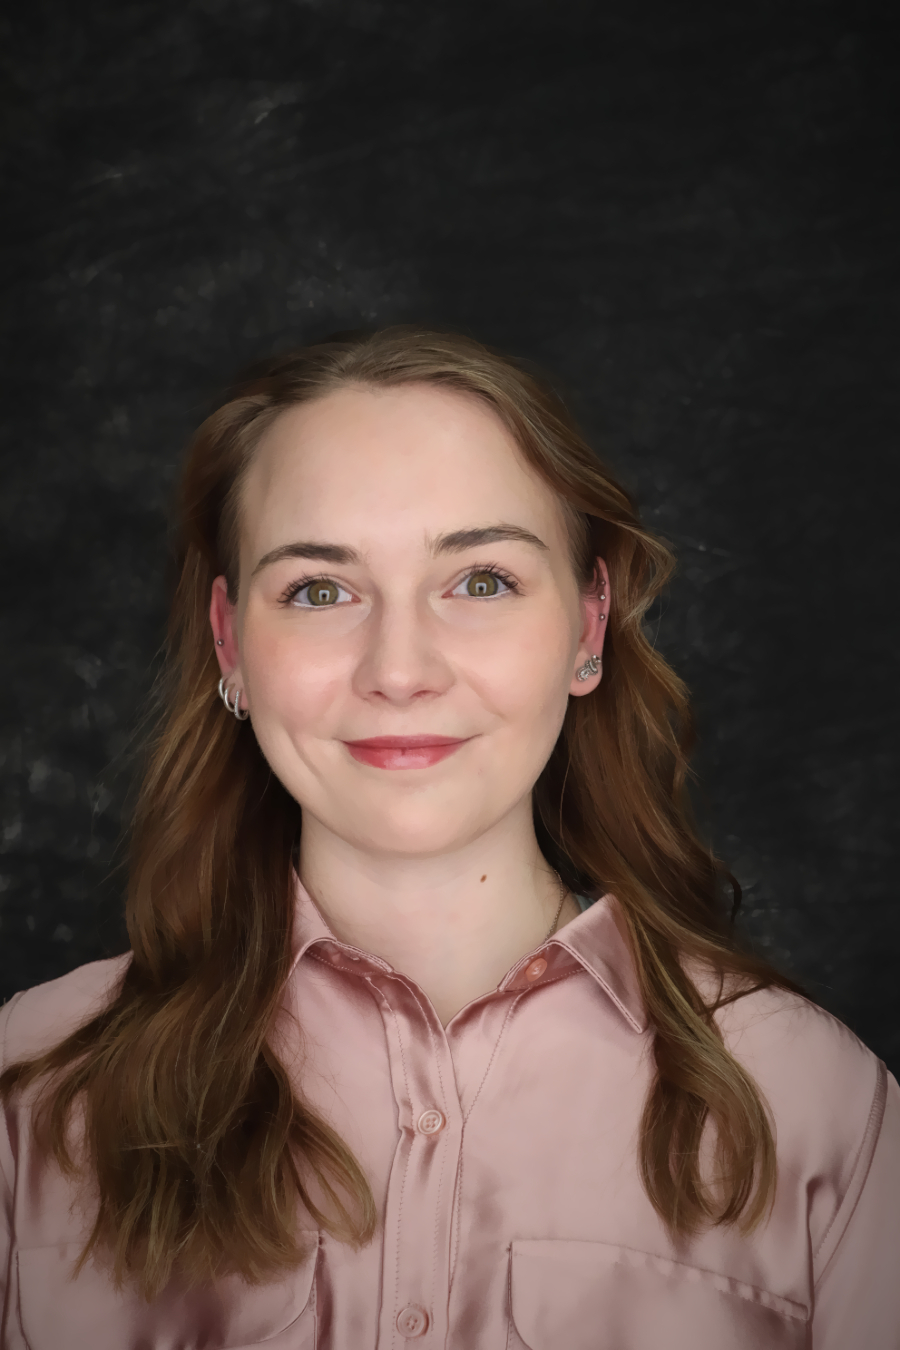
[(414, 829)]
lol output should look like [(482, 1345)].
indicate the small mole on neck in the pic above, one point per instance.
[(484, 878)]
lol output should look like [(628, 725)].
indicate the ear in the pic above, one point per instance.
[(221, 618), (595, 605)]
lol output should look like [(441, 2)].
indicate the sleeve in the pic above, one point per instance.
[(7, 1177), (857, 1294)]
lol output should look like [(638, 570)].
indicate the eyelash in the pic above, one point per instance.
[(491, 570), (300, 584), (488, 569)]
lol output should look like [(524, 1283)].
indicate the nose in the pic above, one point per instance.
[(401, 661)]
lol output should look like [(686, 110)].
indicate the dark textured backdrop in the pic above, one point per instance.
[(689, 211)]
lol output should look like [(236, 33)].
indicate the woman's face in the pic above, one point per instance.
[(403, 574)]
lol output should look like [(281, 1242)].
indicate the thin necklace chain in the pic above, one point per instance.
[(562, 900)]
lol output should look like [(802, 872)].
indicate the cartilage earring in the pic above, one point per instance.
[(220, 642), (234, 708), (592, 666)]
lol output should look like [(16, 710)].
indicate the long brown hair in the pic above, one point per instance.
[(196, 1138)]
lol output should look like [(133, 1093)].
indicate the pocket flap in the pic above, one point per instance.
[(88, 1311), (586, 1295)]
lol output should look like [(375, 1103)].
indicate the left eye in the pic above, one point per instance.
[(320, 594), (481, 585)]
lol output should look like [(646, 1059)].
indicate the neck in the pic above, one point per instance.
[(454, 923)]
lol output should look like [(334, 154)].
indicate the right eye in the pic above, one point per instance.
[(321, 593)]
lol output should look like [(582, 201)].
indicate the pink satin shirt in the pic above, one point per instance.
[(502, 1154)]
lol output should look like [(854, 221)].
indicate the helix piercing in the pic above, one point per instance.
[(220, 642)]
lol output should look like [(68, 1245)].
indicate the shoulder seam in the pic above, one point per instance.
[(5, 1013), (859, 1171)]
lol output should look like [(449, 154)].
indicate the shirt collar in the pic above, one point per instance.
[(596, 940)]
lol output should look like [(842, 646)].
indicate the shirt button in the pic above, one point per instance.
[(536, 968), (412, 1321), (431, 1122)]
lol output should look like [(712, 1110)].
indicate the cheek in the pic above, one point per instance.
[(525, 693), (526, 672), (286, 686)]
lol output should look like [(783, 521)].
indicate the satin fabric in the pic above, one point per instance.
[(502, 1152)]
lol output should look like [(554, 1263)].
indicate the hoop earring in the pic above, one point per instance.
[(592, 666), (236, 708)]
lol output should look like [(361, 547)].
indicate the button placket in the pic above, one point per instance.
[(418, 1211)]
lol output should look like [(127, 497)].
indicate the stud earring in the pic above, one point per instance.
[(220, 642), (592, 666)]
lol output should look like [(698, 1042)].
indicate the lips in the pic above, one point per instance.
[(404, 752)]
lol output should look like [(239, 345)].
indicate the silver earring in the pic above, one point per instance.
[(236, 707), (220, 642), (592, 666)]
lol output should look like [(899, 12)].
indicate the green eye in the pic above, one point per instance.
[(482, 583), (322, 593)]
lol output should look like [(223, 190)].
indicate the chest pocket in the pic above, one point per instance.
[(88, 1313), (595, 1296)]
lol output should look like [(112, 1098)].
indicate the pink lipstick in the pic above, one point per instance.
[(404, 752)]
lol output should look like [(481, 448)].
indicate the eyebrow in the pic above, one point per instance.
[(333, 553), (456, 542), (460, 540)]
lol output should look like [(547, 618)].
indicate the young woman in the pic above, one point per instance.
[(431, 1030)]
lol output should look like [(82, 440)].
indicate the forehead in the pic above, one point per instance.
[(370, 466)]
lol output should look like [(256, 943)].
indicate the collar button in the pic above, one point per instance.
[(535, 969)]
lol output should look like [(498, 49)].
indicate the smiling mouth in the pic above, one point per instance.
[(404, 752)]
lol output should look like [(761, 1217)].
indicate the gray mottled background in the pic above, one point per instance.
[(689, 211)]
